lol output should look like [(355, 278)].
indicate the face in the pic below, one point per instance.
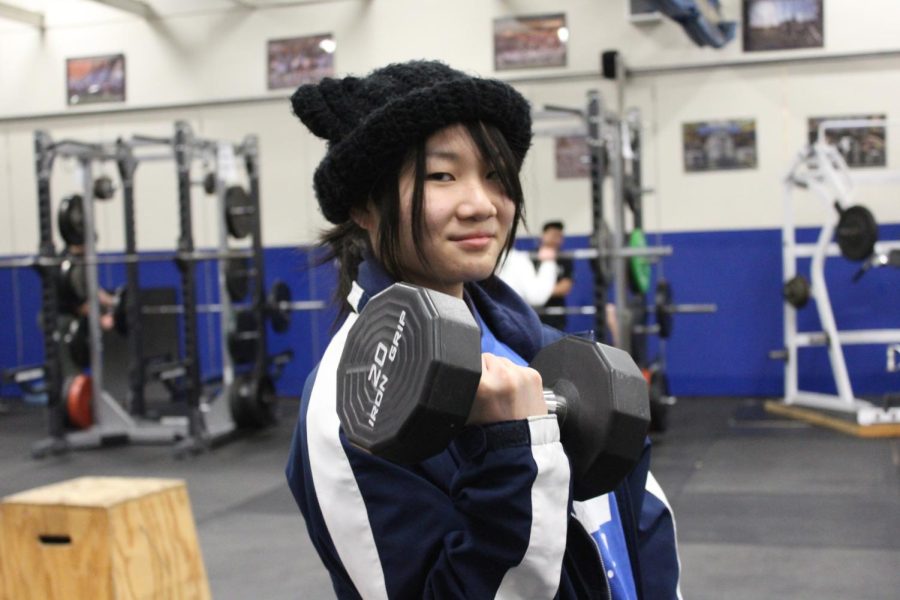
[(466, 212), (552, 237)]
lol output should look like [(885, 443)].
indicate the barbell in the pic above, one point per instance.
[(664, 308), (278, 307)]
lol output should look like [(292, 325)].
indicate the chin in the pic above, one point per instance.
[(479, 274)]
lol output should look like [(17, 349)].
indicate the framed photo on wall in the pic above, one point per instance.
[(860, 146), (573, 158), (783, 24), (295, 61), (719, 145), (530, 42), (94, 79)]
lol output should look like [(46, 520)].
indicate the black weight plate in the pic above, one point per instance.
[(857, 233), (72, 285), (408, 374), (266, 406), (253, 402), (70, 220), (120, 311), (209, 183), (104, 188), (240, 401), (664, 308), (239, 212), (279, 306), (243, 339), (608, 411), (603, 242), (796, 291), (77, 340), (237, 278)]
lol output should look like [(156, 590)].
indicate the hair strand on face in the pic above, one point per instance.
[(385, 198)]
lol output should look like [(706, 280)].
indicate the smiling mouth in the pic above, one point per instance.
[(473, 236), (476, 241)]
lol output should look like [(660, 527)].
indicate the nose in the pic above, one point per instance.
[(479, 203)]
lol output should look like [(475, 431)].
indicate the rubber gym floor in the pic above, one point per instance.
[(765, 507)]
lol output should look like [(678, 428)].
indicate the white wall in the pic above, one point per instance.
[(204, 61)]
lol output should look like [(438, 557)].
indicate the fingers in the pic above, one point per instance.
[(546, 253), (506, 392)]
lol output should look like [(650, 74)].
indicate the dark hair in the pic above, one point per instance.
[(553, 225), (347, 242)]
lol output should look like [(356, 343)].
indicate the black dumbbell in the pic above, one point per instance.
[(410, 369)]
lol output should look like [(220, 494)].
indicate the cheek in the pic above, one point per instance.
[(437, 215), (506, 212)]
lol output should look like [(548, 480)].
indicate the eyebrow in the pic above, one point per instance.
[(445, 154)]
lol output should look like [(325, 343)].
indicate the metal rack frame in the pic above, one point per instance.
[(823, 170)]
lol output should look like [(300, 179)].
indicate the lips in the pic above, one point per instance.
[(474, 241), (476, 235)]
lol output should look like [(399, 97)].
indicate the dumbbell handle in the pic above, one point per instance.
[(556, 405)]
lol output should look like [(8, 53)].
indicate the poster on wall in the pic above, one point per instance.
[(719, 145), (530, 42), (783, 24), (94, 79), (573, 158), (295, 61), (860, 146)]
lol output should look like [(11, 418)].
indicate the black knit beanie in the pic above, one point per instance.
[(371, 122)]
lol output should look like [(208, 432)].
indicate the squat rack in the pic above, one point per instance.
[(205, 420)]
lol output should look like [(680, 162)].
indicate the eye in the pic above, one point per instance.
[(439, 176)]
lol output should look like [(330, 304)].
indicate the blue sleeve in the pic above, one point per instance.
[(657, 548), (474, 537), (481, 518)]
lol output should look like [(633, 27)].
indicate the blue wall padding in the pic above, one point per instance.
[(722, 354)]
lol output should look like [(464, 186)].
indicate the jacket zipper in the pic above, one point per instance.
[(605, 577), (596, 549)]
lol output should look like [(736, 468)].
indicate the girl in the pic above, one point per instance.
[(421, 183)]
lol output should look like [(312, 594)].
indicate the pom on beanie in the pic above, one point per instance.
[(370, 122)]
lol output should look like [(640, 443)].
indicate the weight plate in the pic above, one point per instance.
[(796, 291), (279, 306), (664, 308), (243, 339), (70, 220), (209, 183), (77, 341), (72, 285), (237, 278), (239, 212), (638, 266), (857, 233), (77, 394), (104, 188)]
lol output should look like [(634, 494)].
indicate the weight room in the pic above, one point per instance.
[(726, 178)]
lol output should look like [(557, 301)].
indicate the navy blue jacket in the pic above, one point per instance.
[(490, 517)]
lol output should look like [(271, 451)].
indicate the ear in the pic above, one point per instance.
[(365, 216)]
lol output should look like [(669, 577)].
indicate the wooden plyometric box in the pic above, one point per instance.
[(101, 538)]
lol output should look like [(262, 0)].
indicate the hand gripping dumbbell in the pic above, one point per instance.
[(410, 369)]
